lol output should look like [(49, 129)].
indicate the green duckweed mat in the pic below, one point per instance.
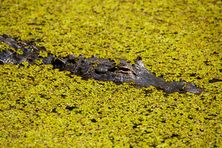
[(177, 39)]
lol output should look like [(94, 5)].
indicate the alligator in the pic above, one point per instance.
[(91, 68)]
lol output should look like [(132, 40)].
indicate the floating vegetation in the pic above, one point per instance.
[(43, 107)]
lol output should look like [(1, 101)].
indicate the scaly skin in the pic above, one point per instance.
[(93, 68)]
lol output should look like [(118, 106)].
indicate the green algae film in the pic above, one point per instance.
[(43, 107)]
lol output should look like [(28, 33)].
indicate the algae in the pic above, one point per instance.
[(43, 107)]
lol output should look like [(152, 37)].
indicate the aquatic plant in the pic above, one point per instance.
[(43, 107)]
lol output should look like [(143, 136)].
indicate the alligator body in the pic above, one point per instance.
[(92, 68)]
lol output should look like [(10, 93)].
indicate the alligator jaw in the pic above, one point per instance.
[(189, 87), (181, 87)]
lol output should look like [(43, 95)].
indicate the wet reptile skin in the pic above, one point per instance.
[(92, 68)]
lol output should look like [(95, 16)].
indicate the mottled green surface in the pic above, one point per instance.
[(181, 40)]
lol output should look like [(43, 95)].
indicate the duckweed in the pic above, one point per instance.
[(180, 40)]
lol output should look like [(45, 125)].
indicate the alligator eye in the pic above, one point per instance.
[(124, 69)]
